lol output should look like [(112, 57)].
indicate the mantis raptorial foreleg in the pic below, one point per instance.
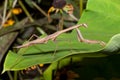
[(81, 38)]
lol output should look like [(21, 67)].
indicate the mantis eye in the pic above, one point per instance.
[(59, 3)]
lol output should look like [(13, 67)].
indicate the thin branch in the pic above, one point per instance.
[(26, 11), (14, 3), (4, 13), (5, 17), (10, 75), (42, 11)]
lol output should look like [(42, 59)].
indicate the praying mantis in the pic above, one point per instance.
[(56, 34), (68, 8)]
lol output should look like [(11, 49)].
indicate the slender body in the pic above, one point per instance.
[(52, 36)]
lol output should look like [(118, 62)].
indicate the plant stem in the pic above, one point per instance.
[(39, 70), (14, 3), (5, 17), (42, 11), (9, 74), (81, 7), (15, 75), (26, 11), (4, 13)]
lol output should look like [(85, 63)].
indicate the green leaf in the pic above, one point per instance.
[(102, 15), (113, 46)]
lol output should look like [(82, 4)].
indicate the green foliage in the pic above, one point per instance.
[(102, 17)]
